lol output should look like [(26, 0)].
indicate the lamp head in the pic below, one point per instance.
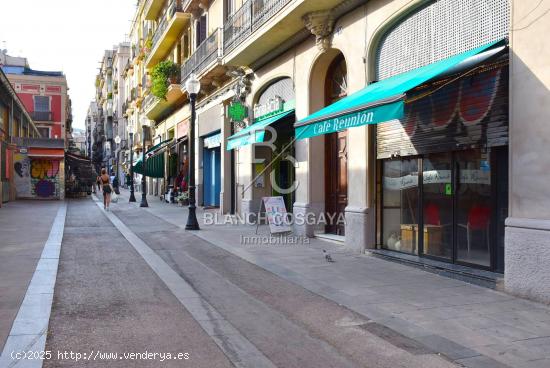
[(192, 84), (117, 139)]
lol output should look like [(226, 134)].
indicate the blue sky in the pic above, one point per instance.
[(67, 35)]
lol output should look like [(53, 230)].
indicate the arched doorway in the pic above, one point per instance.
[(336, 151)]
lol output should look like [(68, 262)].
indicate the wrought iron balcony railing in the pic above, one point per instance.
[(173, 7), (245, 21), (42, 116), (149, 101), (208, 51)]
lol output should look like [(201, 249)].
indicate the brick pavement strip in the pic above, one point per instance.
[(108, 301), (460, 320), (290, 325)]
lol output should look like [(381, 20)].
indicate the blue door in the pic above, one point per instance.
[(212, 176)]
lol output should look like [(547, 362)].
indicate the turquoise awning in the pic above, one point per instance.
[(379, 102), (254, 133)]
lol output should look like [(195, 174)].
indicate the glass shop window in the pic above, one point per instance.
[(400, 205)]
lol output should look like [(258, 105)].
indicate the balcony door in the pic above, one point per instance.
[(42, 109), (200, 30)]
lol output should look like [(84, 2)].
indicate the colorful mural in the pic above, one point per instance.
[(36, 178), (45, 178)]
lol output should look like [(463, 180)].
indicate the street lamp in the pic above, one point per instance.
[(144, 125), (192, 86), (131, 134), (117, 141)]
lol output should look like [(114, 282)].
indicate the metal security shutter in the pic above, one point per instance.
[(469, 112), (439, 30), (282, 88)]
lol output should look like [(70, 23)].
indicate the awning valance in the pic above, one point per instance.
[(381, 101), (155, 166), (46, 152), (254, 133)]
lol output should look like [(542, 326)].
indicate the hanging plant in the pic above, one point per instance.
[(161, 76)]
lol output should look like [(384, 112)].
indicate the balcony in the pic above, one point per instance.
[(156, 108), (260, 26), (42, 116), (205, 61), (167, 33), (152, 9)]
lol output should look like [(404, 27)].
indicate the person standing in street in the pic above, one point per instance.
[(106, 188)]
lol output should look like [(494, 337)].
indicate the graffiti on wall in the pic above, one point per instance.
[(45, 177), (22, 177), (36, 177)]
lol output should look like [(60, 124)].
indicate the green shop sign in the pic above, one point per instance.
[(373, 115), (237, 111)]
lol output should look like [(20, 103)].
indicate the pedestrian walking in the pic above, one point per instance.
[(98, 182), (116, 185), (107, 189)]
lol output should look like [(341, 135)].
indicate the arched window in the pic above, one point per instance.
[(439, 30), (337, 80), (282, 88)]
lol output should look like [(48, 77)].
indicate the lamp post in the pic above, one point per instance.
[(117, 142), (144, 125), (192, 86), (131, 134)]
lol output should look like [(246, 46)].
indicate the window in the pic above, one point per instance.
[(44, 132), (229, 8), (42, 103), (201, 30), (400, 205)]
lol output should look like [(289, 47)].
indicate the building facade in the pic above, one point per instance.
[(39, 162), (15, 124), (384, 136)]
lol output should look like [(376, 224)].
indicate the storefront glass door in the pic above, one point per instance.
[(473, 207), (438, 205)]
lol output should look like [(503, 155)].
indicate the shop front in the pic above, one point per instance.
[(39, 171), (271, 135), (441, 143), (443, 170)]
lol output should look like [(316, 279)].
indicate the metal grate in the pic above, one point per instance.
[(440, 30), (282, 88)]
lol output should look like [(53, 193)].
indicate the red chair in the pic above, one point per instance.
[(479, 218)]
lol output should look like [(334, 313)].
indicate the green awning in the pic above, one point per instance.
[(158, 146), (155, 166), (155, 163), (254, 133), (378, 102)]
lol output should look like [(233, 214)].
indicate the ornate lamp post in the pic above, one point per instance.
[(192, 86), (117, 142), (131, 134), (144, 125)]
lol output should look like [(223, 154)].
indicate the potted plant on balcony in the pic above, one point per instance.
[(148, 45), (163, 74)]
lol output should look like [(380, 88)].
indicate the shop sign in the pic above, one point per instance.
[(275, 211), (479, 177), (182, 129), (373, 115), (273, 106), (237, 111), (213, 141)]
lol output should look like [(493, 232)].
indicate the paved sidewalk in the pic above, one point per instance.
[(474, 326), (24, 229)]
